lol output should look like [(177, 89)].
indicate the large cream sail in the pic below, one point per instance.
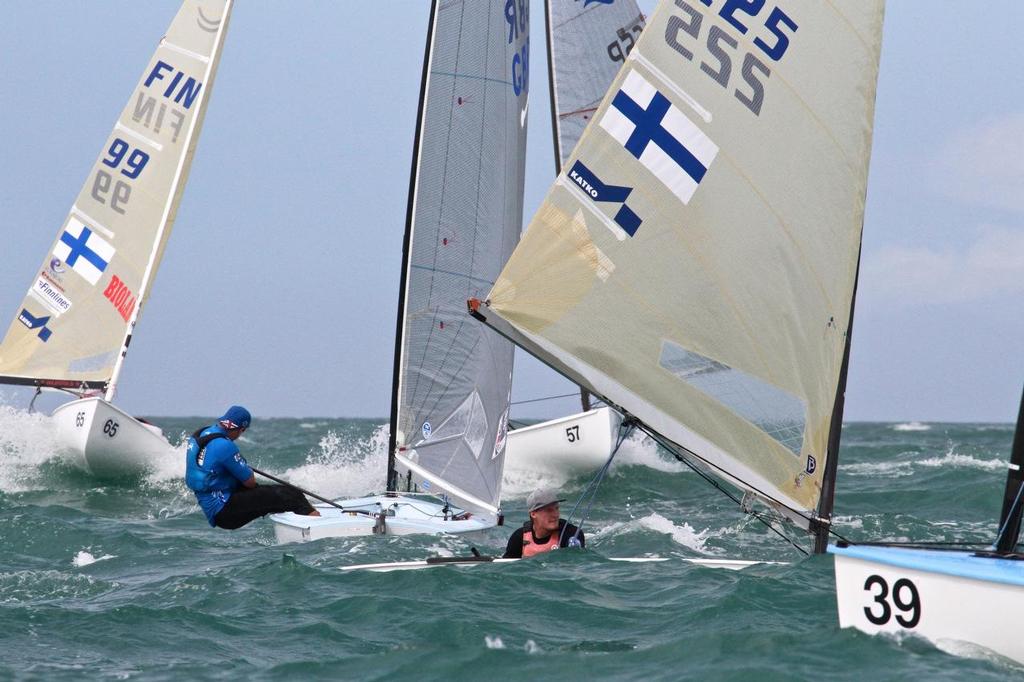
[(73, 327), (453, 377), (695, 263)]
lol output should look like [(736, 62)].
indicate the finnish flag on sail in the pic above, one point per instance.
[(83, 250), (665, 141)]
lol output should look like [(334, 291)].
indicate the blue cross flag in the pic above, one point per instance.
[(660, 136), (83, 250)]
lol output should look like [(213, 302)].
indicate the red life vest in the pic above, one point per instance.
[(531, 547)]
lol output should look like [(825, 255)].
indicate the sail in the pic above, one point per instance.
[(74, 325), (453, 376), (587, 44), (695, 263)]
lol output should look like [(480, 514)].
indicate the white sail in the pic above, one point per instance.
[(587, 44), (74, 325), (452, 376), (695, 263)]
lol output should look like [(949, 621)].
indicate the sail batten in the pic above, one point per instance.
[(77, 320), (695, 262)]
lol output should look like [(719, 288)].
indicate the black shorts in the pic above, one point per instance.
[(248, 504)]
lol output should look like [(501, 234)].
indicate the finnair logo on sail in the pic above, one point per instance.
[(660, 136), (592, 186), (588, 3)]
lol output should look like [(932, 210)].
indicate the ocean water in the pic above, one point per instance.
[(124, 579)]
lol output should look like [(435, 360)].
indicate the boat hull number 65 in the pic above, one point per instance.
[(110, 427), (904, 599)]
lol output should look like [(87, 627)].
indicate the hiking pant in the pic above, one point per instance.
[(248, 504)]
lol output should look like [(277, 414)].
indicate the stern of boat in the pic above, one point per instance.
[(403, 515)]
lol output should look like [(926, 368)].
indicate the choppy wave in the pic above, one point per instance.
[(340, 467), (911, 426), (957, 461), (683, 534), (27, 440), (85, 558)]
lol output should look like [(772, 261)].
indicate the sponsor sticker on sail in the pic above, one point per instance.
[(83, 250), (50, 294), (660, 136)]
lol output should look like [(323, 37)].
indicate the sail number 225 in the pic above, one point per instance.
[(721, 45), (904, 599)]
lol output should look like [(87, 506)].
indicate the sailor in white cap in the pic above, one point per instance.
[(544, 531)]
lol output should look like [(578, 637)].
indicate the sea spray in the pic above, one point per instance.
[(27, 440)]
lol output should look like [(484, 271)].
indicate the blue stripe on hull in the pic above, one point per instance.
[(957, 563)]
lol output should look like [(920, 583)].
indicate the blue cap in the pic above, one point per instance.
[(237, 417)]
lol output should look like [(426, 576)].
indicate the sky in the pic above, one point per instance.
[(279, 286)]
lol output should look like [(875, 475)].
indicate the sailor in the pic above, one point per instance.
[(223, 482), (544, 531)]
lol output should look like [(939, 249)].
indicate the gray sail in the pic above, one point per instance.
[(453, 377), (587, 44)]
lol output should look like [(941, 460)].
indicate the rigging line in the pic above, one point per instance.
[(1009, 516), (625, 428), (756, 514), (550, 397)]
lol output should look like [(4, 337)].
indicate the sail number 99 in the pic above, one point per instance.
[(904, 597)]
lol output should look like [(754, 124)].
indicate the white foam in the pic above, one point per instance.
[(911, 426), (26, 441), (683, 535), (338, 468), (639, 450), (531, 647), (84, 558), (957, 461), (493, 642), (881, 469)]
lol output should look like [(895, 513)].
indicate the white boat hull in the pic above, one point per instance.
[(948, 597), (403, 515), (581, 442), (103, 440)]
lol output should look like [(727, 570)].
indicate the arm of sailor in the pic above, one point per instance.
[(514, 549), (240, 469)]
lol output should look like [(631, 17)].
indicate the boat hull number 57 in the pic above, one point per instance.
[(903, 599), (572, 433)]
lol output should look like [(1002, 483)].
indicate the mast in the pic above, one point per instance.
[(1010, 518), (390, 482), (828, 482), (555, 137), (170, 208)]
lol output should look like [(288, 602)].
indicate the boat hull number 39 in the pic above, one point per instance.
[(903, 602)]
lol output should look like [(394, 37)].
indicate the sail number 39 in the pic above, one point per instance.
[(904, 598)]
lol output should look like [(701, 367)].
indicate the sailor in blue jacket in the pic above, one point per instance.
[(223, 482)]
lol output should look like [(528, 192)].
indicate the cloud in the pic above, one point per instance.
[(992, 265), (983, 165)]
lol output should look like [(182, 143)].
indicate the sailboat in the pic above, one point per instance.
[(452, 378), (587, 43), (947, 594), (695, 264), (73, 328)]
